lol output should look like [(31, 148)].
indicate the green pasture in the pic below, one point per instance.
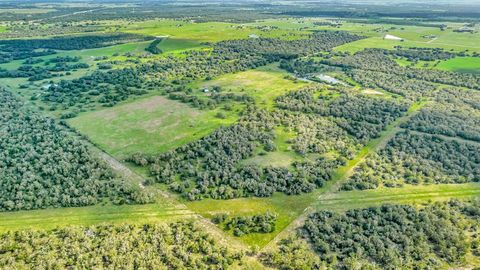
[(283, 156), (170, 45), (148, 125), (203, 32), (461, 64), (264, 84)]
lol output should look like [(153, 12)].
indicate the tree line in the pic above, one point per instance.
[(395, 236), (179, 245), (15, 49)]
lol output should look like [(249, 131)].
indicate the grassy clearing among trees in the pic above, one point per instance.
[(148, 125), (264, 84), (461, 64)]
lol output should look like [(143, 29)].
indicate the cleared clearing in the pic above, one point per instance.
[(148, 125), (461, 64), (264, 84)]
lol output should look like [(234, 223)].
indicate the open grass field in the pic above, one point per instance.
[(171, 45), (149, 125), (52, 218), (283, 156), (414, 36), (88, 55), (204, 32), (264, 84), (461, 64)]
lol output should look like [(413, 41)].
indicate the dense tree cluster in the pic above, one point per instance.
[(425, 54), (181, 245), (43, 165), (457, 99), (319, 135), (305, 66), (7, 56), (379, 60), (393, 83), (395, 236), (22, 30), (153, 46), (361, 116), (36, 73), (64, 59), (292, 254), (449, 123), (275, 49), (241, 225), (418, 158), (78, 42)]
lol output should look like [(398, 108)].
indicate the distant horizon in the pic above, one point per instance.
[(354, 2)]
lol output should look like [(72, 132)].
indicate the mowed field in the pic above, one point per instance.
[(149, 125)]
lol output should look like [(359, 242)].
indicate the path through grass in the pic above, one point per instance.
[(408, 194), (344, 172)]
